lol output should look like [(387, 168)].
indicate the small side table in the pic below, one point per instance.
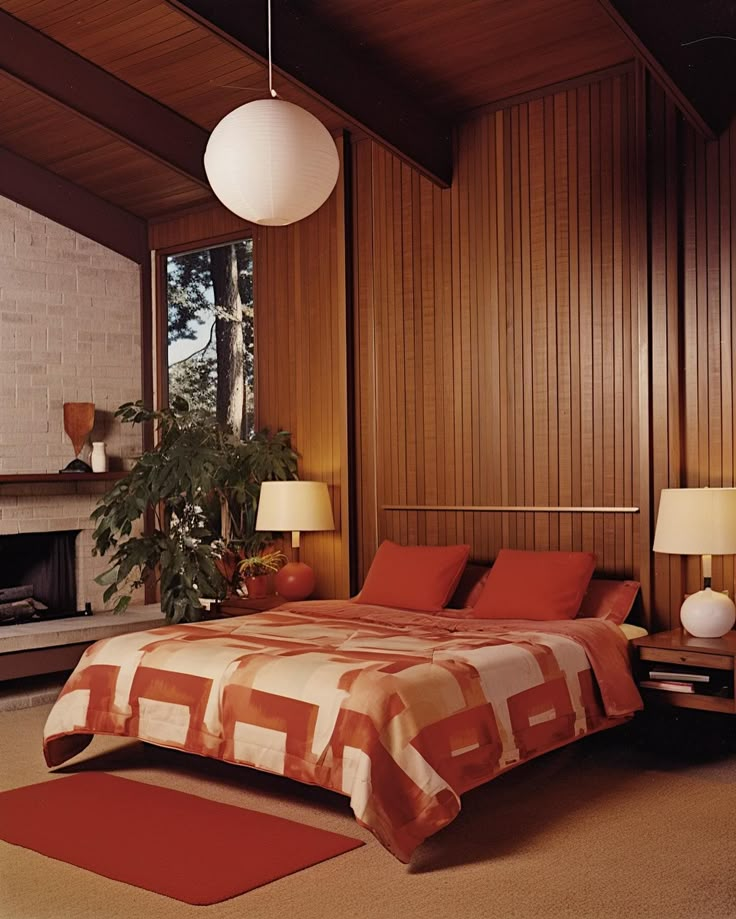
[(709, 662), (244, 606)]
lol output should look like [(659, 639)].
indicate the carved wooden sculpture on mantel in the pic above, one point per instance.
[(79, 419)]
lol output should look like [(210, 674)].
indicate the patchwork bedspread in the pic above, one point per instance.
[(402, 712)]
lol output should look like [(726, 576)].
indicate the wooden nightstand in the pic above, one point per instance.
[(244, 606), (710, 662)]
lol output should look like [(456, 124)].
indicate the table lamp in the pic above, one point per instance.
[(297, 506), (700, 521)]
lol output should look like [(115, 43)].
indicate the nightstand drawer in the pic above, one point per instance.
[(691, 658)]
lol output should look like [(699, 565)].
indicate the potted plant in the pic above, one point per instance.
[(255, 571), (185, 513)]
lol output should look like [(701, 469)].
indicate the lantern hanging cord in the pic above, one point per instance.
[(270, 66)]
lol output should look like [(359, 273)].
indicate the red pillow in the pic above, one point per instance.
[(469, 587), (610, 600), (535, 585), (413, 577)]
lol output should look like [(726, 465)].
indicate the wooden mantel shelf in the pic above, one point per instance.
[(24, 478)]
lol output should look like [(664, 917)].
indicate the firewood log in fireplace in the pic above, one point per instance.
[(9, 594), (17, 603)]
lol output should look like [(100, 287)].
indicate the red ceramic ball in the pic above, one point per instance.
[(295, 581)]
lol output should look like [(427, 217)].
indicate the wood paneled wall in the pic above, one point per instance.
[(501, 357), (301, 356), (189, 229), (404, 360), (497, 359), (301, 351), (692, 218)]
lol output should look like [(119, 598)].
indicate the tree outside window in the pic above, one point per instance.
[(211, 344)]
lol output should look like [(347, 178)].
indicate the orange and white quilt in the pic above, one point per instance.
[(402, 712)]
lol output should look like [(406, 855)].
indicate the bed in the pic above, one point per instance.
[(402, 711)]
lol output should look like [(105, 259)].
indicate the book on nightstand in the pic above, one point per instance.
[(667, 685), (679, 676)]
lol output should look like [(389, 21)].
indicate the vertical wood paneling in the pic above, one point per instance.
[(666, 458), (301, 342), (188, 229), (501, 356), (502, 322), (641, 339), (584, 292), (692, 214), (301, 351), (364, 361), (562, 355)]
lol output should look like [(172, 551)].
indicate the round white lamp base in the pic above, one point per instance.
[(708, 614)]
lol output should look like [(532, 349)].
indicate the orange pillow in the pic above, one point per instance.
[(413, 577), (535, 585), (610, 600)]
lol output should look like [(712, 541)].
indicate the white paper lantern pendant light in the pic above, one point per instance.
[(271, 162)]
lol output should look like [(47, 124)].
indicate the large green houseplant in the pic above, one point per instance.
[(185, 513)]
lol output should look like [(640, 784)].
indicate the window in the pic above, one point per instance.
[(211, 353)]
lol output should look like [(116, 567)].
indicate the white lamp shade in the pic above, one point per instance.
[(295, 506), (271, 162), (696, 521)]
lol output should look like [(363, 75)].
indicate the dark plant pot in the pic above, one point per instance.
[(258, 586)]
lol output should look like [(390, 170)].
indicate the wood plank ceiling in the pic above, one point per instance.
[(464, 54), (119, 96)]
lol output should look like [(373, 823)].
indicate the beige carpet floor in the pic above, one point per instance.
[(613, 827)]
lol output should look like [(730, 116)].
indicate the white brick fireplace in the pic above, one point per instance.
[(69, 332)]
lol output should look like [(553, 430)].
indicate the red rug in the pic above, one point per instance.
[(176, 844)]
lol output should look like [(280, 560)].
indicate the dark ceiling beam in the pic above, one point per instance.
[(60, 74), (646, 25), (337, 73), (72, 206)]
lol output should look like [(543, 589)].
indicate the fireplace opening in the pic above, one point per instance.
[(37, 575)]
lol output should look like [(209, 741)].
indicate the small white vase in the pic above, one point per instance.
[(98, 459)]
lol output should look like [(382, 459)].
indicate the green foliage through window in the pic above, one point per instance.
[(211, 334)]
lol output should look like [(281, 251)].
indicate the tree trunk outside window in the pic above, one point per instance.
[(229, 338)]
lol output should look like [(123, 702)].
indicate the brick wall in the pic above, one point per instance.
[(69, 332)]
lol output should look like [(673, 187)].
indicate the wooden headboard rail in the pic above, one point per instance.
[(509, 509)]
